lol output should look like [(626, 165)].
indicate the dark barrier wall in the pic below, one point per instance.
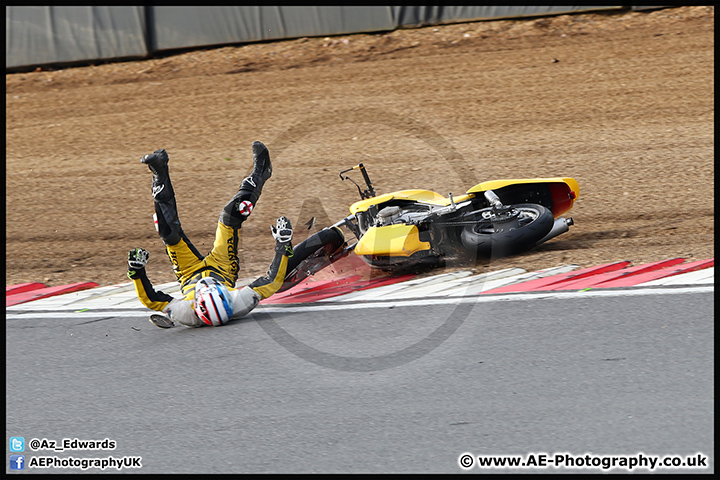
[(45, 35), (182, 27), (62, 35), (419, 16)]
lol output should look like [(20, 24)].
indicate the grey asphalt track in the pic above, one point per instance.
[(402, 389)]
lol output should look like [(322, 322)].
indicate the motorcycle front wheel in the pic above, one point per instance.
[(312, 255), (488, 238)]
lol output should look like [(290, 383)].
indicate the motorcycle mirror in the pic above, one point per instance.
[(345, 171)]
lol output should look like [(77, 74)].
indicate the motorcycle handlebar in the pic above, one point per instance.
[(367, 179), (370, 191)]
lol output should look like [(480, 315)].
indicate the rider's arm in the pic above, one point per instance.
[(243, 301), (137, 259), (180, 310), (154, 300), (269, 284), (266, 286)]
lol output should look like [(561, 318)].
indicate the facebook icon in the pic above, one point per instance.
[(17, 462)]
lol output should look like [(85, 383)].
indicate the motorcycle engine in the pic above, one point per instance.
[(388, 215)]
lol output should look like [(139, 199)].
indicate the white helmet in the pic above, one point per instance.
[(212, 302)]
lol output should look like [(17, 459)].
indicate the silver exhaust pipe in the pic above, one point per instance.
[(561, 225)]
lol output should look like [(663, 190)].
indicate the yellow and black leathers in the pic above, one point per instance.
[(222, 261)]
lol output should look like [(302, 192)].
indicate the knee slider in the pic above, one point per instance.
[(237, 210)]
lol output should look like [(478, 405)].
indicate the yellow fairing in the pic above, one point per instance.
[(392, 240), (425, 196)]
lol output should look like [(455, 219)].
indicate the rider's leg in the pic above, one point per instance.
[(242, 204), (237, 210), (182, 253)]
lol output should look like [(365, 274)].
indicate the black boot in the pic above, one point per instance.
[(157, 162), (251, 187), (262, 166)]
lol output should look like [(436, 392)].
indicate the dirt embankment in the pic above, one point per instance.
[(622, 102)]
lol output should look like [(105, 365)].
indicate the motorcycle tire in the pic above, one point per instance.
[(482, 239), (313, 254)]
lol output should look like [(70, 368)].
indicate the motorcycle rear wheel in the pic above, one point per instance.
[(535, 221)]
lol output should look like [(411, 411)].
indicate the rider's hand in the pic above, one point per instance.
[(282, 230), (138, 258)]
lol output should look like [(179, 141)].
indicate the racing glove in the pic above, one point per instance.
[(282, 233), (137, 259), (282, 230)]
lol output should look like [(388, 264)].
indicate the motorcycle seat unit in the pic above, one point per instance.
[(558, 194)]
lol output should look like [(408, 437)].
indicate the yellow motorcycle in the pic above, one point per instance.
[(410, 228)]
